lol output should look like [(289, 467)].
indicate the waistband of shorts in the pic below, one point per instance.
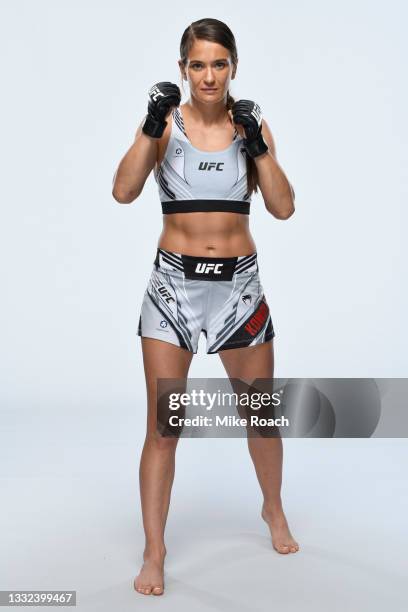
[(206, 268)]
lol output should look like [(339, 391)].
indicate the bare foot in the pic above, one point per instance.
[(282, 539), (150, 580)]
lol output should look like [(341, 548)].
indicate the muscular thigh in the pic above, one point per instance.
[(161, 360), (249, 362)]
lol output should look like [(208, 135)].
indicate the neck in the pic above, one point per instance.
[(207, 114)]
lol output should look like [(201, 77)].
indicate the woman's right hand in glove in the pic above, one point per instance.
[(163, 97)]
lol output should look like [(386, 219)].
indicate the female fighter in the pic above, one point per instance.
[(208, 155)]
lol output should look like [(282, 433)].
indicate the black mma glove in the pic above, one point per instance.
[(162, 97), (248, 114)]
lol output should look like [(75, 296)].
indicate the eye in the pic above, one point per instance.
[(195, 66), (220, 64)]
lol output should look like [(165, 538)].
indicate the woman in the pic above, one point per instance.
[(208, 155)]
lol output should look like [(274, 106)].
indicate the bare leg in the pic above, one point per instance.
[(161, 360), (249, 363)]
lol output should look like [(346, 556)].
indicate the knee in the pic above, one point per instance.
[(161, 443)]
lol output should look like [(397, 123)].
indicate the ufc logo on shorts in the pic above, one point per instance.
[(205, 268), (166, 295), (256, 112), (211, 165), (155, 93)]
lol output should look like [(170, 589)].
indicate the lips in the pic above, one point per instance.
[(208, 89)]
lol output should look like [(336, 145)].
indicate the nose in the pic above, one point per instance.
[(209, 77)]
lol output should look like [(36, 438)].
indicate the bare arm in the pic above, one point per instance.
[(277, 192), (134, 168)]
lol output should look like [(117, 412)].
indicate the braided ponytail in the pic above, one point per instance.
[(252, 171)]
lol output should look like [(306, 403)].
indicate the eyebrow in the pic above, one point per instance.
[(221, 59)]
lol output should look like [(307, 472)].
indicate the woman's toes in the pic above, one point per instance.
[(150, 574), (282, 548), (157, 590), (285, 548)]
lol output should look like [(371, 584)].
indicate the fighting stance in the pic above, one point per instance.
[(208, 155)]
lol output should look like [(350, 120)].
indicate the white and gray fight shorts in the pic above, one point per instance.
[(220, 296)]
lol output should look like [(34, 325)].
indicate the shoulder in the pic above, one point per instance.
[(268, 137)]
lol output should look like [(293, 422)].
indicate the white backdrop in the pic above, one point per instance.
[(329, 77)]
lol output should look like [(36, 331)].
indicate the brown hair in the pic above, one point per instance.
[(217, 31)]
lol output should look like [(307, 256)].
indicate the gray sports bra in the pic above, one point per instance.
[(191, 180)]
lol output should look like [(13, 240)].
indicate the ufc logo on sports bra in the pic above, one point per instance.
[(205, 268), (211, 166)]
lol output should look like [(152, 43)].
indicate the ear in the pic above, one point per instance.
[(182, 70)]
